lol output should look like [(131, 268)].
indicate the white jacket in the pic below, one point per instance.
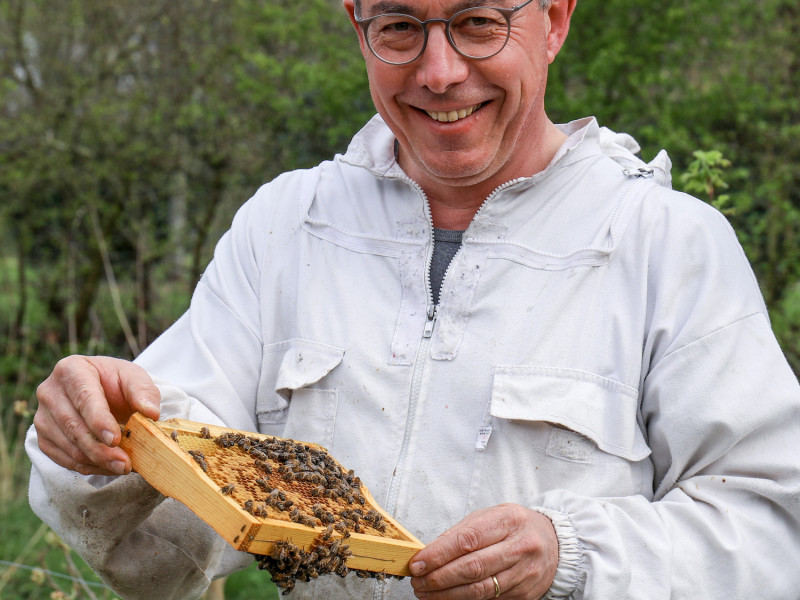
[(601, 353)]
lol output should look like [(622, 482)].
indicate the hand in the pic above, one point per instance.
[(80, 407), (515, 544)]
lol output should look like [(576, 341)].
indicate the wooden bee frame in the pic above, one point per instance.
[(158, 455)]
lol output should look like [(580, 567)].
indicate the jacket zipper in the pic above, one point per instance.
[(420, 362)]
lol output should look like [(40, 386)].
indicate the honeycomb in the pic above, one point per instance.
[(286, 480)]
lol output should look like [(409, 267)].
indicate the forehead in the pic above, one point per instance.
[(423, 7)]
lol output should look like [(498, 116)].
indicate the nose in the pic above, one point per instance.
[(440, 66)]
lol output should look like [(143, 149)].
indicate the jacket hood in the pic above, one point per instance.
[(373, 148)]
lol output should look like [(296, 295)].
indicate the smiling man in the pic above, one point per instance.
[(464, 126), (550, 367)]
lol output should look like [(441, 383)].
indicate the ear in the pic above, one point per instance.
[(350, 7), (559, 15)]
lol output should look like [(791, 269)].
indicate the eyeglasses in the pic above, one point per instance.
[(477, 33)]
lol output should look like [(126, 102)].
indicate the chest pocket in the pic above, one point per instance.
[(295, 401), (601, 410), (554, 428)]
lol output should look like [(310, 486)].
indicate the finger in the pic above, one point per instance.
[(68, 461), (128, 387), (469, 575), (477, 530), (63, 452), (107, 391), (480, 590), (62, 427)]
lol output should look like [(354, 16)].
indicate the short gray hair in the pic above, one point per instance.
[(543, 5)]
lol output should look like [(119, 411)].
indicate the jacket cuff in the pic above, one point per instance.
[(570, 556)]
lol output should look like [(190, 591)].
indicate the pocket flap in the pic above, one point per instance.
[(302, 363), (601, 409)]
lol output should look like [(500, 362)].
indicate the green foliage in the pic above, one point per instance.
[(704, 177)]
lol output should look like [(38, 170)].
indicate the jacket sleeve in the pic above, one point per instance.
[(207, 367), (720, 408)]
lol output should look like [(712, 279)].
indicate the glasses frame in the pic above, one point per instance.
[(506, 12)]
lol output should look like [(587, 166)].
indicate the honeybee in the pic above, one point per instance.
[(263, 465), (342, 528), (174, 435), (205, 433), (227, 489)]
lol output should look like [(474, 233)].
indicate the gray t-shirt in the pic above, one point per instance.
[(446, 243)]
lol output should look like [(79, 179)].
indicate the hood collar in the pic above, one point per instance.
[(373, 148)]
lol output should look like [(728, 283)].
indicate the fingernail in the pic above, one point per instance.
[(118, 467), (108, 437), (417, 568)]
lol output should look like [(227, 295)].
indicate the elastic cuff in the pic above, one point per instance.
[(570, 555)]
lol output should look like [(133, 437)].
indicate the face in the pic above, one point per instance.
[(497, 103)]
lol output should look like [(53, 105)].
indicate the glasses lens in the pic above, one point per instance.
[(396, 38), (479, 32)]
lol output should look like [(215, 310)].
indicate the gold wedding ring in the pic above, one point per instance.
[(496, 587)]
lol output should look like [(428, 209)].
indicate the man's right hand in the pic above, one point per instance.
[(81, 405)]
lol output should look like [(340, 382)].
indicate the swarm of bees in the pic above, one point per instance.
[(293, 481)]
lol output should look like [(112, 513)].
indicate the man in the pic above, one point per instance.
[(591, 405)]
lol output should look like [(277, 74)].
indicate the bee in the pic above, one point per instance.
[(263, 465), (262, 483), (327, 534), (248, 506), (227, 489), (174, 435), (318, 491), (127, 433), (203, 465), (342, 528)]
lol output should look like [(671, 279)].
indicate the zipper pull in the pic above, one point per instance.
[(428, 331)]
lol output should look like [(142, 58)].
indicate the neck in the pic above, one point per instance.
[(454, 206)]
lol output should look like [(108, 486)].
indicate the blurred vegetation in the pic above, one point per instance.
[(131, 131)]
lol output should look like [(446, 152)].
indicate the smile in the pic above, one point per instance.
[(452, 115)]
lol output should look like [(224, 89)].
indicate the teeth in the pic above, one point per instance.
[(453, 115)]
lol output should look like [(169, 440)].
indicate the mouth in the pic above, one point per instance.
[(450, 116)]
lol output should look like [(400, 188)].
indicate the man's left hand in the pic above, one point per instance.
[(508, 549)]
